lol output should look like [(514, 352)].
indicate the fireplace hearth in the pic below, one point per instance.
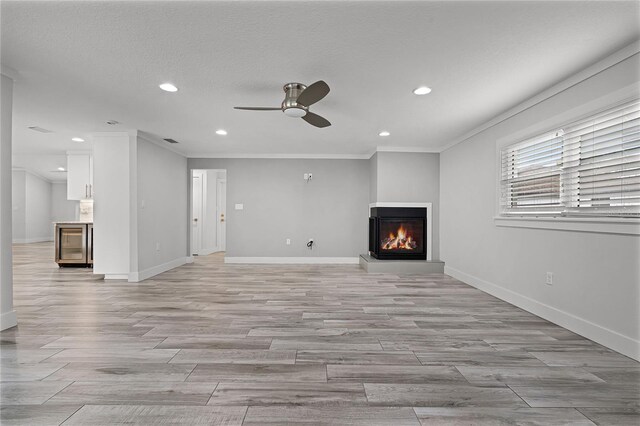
[(398, 233)]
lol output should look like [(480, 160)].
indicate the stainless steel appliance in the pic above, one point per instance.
[(74, 244)]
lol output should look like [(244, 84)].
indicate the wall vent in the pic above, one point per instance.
[(171, 140), (39, 129)]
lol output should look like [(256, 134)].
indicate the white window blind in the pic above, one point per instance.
[(531, 176), (591, 167)]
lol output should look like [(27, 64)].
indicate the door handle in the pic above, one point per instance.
[(86, 190)]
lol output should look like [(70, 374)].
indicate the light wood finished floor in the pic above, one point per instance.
[(216, 344)]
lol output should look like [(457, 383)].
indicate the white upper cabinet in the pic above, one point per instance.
[(79, 176)]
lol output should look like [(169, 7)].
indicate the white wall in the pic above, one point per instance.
[(38, 222), (596, 276), (19, 205), (162, 223), (31, 198), (279, 204), (113, 154), (61, 208), (409, 177), (7, 314)]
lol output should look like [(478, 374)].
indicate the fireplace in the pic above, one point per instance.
[(398, 233)]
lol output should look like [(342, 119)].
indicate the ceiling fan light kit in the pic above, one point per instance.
[(297, 100)]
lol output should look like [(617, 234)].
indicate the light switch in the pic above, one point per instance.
[(239, 206)]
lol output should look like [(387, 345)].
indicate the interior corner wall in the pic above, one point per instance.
[(31, 203), (61, 208), (162, 219), (373, 178), (278, 204), (408, 177), (596, 276), (18, 205), (38, 223)]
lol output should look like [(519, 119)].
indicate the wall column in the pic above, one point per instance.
[(7, 313), (114, 212)]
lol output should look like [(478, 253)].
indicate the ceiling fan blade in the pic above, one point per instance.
[(313, 93), (259, 108), (316, 120)]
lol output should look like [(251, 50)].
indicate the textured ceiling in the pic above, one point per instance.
[(83, 63)]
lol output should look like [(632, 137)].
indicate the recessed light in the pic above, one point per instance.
[(422, 90), (221, 132), (168, 87), (77, 139), (61, 169), (385, 133)]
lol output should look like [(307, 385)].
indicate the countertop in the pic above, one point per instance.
[(73, 222)]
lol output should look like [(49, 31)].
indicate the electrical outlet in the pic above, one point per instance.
[(157, 246), (549, 279), (288, 241), (305, 176)]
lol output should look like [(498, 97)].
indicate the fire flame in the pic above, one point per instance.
[(401, 242)]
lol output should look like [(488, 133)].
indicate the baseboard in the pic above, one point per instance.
[(116, 276), (207, 252), (294, 260), (604, 336), (8, 320), (189, 259), (135, 277), (31, 240)]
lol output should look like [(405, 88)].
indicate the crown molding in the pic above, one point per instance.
[(283, 156), (159, 142), (32, 173), (591, 71)]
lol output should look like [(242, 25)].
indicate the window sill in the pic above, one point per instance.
[(602, 225)]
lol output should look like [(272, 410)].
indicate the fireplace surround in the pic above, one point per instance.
[(399, 231)]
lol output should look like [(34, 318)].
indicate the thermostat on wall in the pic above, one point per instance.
[(239, 206)]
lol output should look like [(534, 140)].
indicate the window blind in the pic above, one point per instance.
[(591, 167), (531, 176)]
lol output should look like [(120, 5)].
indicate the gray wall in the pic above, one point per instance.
[(596, 275), (61, 208), (161, 182), (409, 177), (31, 200), (18, 204), (279, 204)]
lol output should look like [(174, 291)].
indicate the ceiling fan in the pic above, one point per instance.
[(298, 98)]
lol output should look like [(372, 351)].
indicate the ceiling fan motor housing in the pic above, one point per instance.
[(290, 106)]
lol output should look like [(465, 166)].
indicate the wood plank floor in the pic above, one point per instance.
[(216, 344)]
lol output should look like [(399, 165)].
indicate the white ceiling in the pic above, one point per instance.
[(83, 63)]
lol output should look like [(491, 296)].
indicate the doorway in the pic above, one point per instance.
[(208, 211)]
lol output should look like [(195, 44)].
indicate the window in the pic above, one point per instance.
[(587, 168)]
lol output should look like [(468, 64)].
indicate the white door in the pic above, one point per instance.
[(196, 214), (222, 214)]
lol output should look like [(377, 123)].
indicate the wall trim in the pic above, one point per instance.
[(116, 276), (295, 260), (577, 78), (604, 336), (8, 320), (603, 225), (135, 277), (31, 240), (32, 173), (283, 156), (410, 149)]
